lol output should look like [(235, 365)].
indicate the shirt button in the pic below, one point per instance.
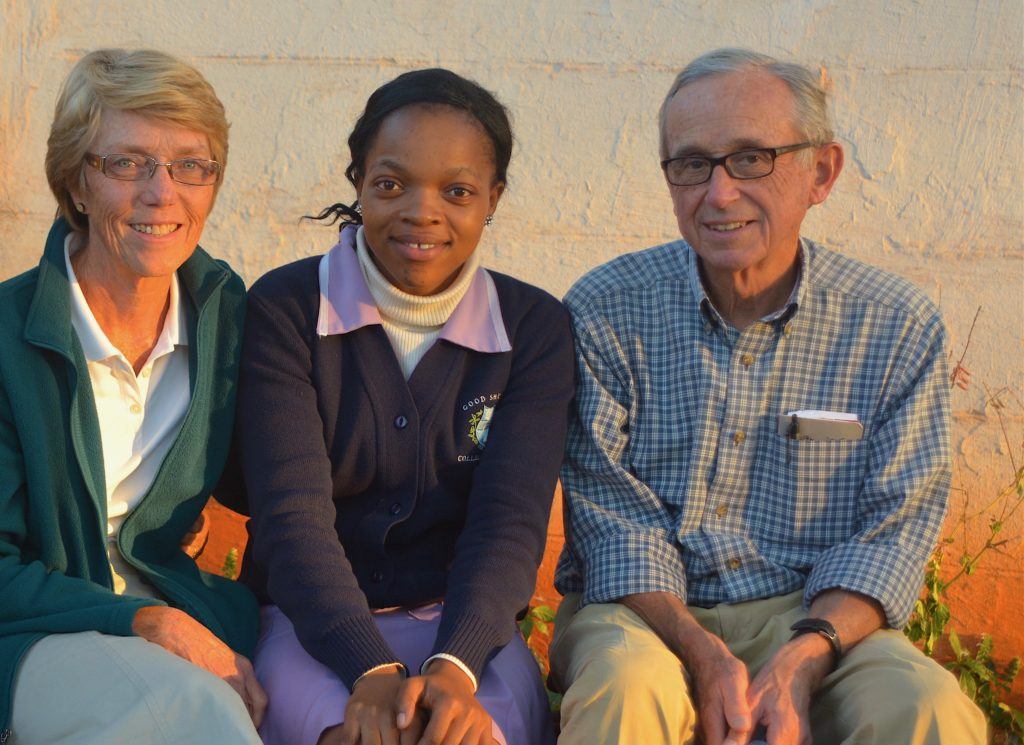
[(722, 510), (135, 409), (787, 329), (401, 422), (395, 508), (377, 576), (738, 438), (747, 359), (734, 564), (145, 372)]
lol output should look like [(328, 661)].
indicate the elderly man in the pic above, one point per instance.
[(759, 462)]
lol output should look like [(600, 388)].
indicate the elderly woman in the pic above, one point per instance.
[(118, 359)]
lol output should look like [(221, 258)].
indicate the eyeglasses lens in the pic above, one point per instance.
[(750, 163), (195, 171), (746, 164)]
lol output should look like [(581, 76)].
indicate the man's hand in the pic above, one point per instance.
[(194, 541), (720, 693), (780, 695), (182, 635), (456, 717), (719, 679)]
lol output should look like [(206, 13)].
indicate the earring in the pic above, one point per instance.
[(80, 206), (489, 220), (358, 208)]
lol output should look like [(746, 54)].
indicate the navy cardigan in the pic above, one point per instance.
[(367, 491)]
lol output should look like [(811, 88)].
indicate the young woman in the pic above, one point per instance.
[(402, 416)]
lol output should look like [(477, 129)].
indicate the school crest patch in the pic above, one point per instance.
[(479, 425)]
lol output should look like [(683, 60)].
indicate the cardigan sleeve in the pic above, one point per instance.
[(288, 479), (38, 598), (498, 551)]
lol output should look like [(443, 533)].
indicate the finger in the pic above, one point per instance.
[(257, 698), (458, 731), (486, 733), (411, 734), (783, 727), (349, 731), (803, 733), (237, 684), (405, 702), (388, 734), (712, 723), (478, 734), (778, 734), (437, 727), (330, 736), (386, 727), (738, 719), (369, 732)]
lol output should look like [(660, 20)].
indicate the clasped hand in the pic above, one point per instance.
[(730, 709), (436, 708)]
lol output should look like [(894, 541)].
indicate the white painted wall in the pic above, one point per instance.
[(928, 102)]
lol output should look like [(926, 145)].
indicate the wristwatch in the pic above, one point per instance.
[(825, 629)]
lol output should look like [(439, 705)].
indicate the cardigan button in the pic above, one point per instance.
[(395, 508), (401, 422), (377, 576)]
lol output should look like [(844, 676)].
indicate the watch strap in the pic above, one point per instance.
[(823, 628)]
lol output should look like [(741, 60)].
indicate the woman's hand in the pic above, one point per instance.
[(455, 716), (182, 635), (370, 714)]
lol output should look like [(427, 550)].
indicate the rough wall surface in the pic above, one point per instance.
[(928, 103)]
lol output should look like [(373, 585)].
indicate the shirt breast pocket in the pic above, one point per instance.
[(808, 490)]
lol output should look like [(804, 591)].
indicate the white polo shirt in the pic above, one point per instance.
[(139, 415)]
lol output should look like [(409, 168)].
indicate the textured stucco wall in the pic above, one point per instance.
[(928, 102)]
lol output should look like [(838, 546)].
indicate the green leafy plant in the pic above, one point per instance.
[(229, 568), (536, 625), (984, 680)]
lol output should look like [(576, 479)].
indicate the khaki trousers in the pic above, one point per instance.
[(90, 688), (623, 685)]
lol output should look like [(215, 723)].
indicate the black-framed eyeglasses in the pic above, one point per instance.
[(758, 162), (134, 167)]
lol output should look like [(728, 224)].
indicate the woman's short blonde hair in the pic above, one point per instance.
[(144, 81)]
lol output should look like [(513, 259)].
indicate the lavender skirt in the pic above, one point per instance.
[(306, 697)]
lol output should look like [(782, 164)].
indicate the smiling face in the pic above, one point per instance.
[(428, 187), (143, 229), (745, 226)]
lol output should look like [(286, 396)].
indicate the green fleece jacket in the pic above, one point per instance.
[(54, 572)]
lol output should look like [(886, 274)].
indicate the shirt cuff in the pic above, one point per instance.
[(455, 661), (631, 563), (401, 669), (888, 574)]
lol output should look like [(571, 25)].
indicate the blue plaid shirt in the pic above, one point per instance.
[(675, 477)]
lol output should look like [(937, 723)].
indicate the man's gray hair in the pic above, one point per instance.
[(810, 99)]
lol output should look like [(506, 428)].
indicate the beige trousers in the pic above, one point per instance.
[(90, 688), (623, 685)]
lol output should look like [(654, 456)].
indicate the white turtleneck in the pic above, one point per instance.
[(412, 322)]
